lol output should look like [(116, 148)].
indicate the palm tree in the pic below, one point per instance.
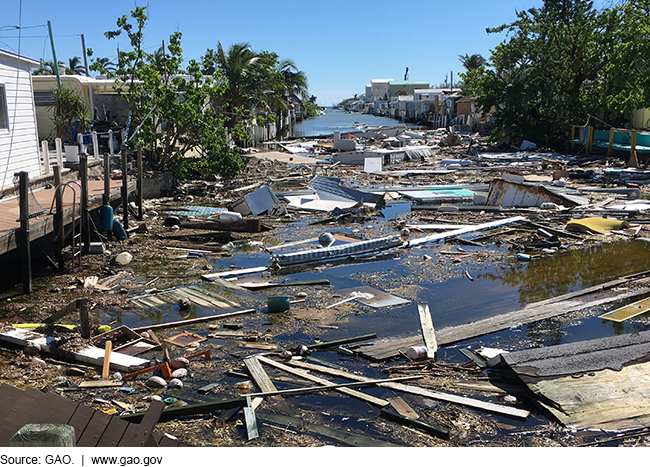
[(472, 62), (239, 68), (75, 67), (106, 64), (46, 68)]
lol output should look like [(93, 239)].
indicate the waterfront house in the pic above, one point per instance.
[(19, 151)]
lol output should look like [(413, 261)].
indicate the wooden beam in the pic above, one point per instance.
[(465, 401), (303, 374), (428, 332), (193, 321), (435, 430), (264, 382), (108, 347)]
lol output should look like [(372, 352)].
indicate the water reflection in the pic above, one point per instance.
[(572, 270)]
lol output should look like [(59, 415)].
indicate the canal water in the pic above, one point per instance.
[(339, 120)]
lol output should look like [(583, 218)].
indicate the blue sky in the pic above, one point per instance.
[(340, 44)]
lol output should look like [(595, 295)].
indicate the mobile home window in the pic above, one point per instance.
[(4, 114)]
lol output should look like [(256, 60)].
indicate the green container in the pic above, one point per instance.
[(278, 304)]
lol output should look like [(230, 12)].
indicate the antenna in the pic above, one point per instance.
[(406, 75)]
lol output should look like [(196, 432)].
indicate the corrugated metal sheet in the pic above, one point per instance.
[(508, 194)]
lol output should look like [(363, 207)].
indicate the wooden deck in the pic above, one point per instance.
[(92, 428), (44, 224)]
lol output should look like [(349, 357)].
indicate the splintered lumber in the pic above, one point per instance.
[(403, 408), (251, 421), (261, 378), (346, 437), (335, 386), (428, 332), (303, 374), (435, 430), (466, 401), (100, 383), (467, 229), (234, 272), (193, 321), (108, 348), (322, 345)]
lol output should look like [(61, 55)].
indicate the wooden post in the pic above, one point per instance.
[(108, 348), (140, 184), (428, 331), (125, 188), (85, 214), (58, 217), (84, 318), (44, 435), (107, 180), (23, 237), (46, 157), (58, 145)]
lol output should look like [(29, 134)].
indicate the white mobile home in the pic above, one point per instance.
[(19, 151)]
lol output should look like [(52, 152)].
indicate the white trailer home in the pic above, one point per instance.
[(19, 149)]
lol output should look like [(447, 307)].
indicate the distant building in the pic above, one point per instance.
[(405, 88), (379, 89), (19, 150)]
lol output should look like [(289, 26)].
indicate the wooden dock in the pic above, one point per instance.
[(93, 428), (43, 225)]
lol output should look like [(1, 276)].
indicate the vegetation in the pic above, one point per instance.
[(170, 113), (563, 64), (187, 118), (69, 114)]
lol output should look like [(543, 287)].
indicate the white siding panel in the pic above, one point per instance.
[(19, 149)]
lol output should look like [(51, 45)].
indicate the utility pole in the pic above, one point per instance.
[(56, 62), (83, 46)]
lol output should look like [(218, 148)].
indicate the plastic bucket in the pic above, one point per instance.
[(278, 304), (416, 352), (229, 216)]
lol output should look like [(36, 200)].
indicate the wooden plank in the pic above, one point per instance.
[(108, 348), (428, 332), (93, 384), (630, 311), (465, 401), (261, 378), (94, 430), (113, 433), (188, 322), (403, 408), (80, 420), (606, 400), (234, 272), (468, 229), (139, 435), (350, 392)]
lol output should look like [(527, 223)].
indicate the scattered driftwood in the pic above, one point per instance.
[(466, 401)]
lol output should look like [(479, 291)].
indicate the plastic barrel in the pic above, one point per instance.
[(118, 230), (106, 217)]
